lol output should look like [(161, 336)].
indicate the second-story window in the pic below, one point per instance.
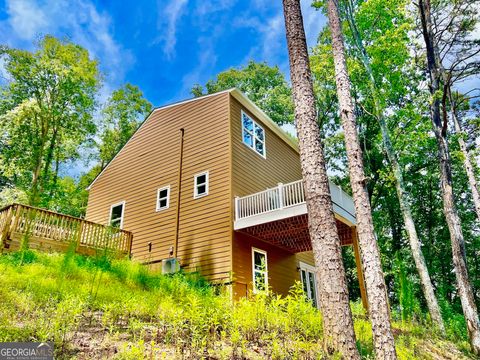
[(163, 198), (253, 134), (200, 185)]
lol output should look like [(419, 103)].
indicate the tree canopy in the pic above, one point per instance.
[(263, 84), (47, 112)]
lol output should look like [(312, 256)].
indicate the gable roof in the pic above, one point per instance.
[(240, 97)]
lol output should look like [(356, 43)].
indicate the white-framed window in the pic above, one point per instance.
[(260, 270), (309, 282), (163, 198), (116, 214), (200, 184), (253, 135)]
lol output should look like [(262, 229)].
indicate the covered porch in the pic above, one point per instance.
[(278, 216)]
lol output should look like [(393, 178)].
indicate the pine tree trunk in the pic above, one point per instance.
[(402, 194), (374, 280), (466, 159), (337, 318), (449, 208)]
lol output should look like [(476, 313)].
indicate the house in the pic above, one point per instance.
[(216, 184)]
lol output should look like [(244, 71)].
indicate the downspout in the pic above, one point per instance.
[(179, 194)]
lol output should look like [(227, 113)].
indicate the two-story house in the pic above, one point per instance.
[(215, 183)]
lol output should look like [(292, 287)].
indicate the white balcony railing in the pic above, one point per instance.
[(287, 196)]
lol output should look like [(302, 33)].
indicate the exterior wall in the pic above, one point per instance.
[(282, 266), (150, 160), (252, 173), (213, 142)]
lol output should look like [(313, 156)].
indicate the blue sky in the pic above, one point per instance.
[(163, 46)]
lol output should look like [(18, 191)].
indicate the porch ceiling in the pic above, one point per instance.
[(292, 234)]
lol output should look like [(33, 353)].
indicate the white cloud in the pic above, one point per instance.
[(167, 24), (313, 22), (26, 18), (77, 20), (207, 59), (208, 7), (271, 46)]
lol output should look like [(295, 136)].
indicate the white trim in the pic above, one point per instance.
[(158, 208), (123, 202), (254, 123), (260, 251), (287, 212), (149, 116), (264, 118), (195, 185), (310, 268), (304, 265)]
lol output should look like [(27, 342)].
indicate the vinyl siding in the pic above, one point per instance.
[(253, 173), (150, 160)]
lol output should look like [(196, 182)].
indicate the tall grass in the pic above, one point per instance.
[(98, 307)]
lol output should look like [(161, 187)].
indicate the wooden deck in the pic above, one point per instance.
[(50, 231)]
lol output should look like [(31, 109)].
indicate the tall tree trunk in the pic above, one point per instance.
[(332, 285), (449, 208), (374, 279), (466, 157), (33, 198), (402, 194), (48, 160)]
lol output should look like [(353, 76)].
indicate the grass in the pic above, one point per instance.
[(96, 307)]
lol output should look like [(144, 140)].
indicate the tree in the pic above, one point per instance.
[(47, 111), (439, 92), (374, 280), (456, 101), (264, 85), (337, 317), (124, 111), (458, 57), (402, 194)]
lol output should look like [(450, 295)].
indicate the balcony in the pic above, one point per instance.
[(279, 216)]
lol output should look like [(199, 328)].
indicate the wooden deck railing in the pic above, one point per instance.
[(44, 228)]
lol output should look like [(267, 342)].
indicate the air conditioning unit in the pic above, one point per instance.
[(170, 266)]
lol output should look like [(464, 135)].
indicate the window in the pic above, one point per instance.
[(253, 135), (260, 271), (200, 185), (163, 198), (307, 275), (116, 215)]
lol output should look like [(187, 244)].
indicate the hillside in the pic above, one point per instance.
[(94, 308)]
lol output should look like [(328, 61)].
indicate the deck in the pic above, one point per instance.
[(286, 201), (278, 216), (51, 231)]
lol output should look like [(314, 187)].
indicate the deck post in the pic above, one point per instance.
[(6, 227), (237, 200), (358, 261), (280, 196)]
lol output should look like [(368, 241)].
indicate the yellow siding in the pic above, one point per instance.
[(150, 160), (253, 173), (213, 142)]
